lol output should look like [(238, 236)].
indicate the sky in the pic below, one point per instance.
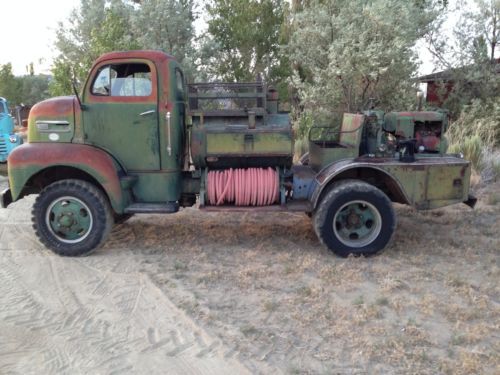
[(29, 32)]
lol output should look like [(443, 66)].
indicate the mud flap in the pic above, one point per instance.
[(471, 201), (5, 198)]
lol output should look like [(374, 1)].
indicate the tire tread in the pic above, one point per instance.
[(337, 189), (96, 200)]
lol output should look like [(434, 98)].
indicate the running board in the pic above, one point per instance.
[(152, 208), (299, 206)]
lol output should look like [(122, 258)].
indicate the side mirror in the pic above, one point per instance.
[(75, 91), (74, 83)]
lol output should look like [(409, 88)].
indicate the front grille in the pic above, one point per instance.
[(3, 146)]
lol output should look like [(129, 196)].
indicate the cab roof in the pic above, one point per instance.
[(153, 55)]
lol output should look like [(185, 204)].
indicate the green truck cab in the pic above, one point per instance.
[(139, 140)]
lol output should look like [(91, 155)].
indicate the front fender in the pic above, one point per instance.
[(30, 159)]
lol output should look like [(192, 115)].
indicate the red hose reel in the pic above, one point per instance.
[(243, 187)]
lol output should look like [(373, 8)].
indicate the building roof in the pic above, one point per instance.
[(447, 75)]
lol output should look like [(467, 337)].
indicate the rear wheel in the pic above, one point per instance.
[(72, 217), (354, 218)]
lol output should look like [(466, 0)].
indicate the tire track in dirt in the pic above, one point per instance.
[(64, 316)]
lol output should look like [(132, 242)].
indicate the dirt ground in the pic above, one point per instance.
[(211, 293)]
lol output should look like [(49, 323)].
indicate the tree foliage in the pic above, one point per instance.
[(470, 58), (167, 25), (97, 26), (100, 26), (28, 89), (10, 87), (243, 40), (347, 51)]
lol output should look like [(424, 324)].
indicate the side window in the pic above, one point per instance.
[(102, 83), (123, 80)]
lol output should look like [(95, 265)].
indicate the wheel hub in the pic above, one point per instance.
[(69, 219), (357, 223), (353, 220), (65, 220)]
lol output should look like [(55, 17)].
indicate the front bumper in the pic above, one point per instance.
[(5, 198)]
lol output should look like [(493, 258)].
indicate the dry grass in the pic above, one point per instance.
[(476, 134), (262, 283)]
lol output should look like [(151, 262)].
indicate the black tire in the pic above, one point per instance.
[(72, 198), (121, 218), (348, 210)]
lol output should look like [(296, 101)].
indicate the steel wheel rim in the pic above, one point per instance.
[(357, 223), (69, 219)]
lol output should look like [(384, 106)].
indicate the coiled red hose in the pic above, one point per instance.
[(243, 187)]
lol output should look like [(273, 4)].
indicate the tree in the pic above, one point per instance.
[(470, 56), (243, 41), (10, 87), (34, 88), (167, 25), (100, 26), (96, 27), (347, 51)]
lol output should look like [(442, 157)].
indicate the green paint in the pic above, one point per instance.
[(147, 139), (69, 219), (248, 143), (120, 129), (431, 185), (51, 129), (356, 223), (157, 187), (327, 144), (18, 178)]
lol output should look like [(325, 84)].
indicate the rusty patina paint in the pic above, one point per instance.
[(230, 137), (134, 129), (330, 145), (29, 159), (423, 116), (156, 56), (403, 123), (427, 183), (57, 112)]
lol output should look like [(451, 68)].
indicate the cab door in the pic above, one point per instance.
[(178, 114), (120, 112)]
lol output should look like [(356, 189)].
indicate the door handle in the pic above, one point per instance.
[(169, 129), (147, 112)]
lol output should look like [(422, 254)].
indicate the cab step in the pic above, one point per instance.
[(152, 208)]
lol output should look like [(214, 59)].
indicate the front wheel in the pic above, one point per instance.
[(72, 217), (354, 218)]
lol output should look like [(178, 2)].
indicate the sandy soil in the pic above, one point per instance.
[(229, 293)]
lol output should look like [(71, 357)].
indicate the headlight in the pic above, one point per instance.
[(13, 138)]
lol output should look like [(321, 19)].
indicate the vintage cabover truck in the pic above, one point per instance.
[(8, 139), (139, 140)]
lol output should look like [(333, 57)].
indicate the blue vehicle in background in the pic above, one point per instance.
[(8, 139)]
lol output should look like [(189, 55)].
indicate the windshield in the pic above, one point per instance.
[(3, 107)]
